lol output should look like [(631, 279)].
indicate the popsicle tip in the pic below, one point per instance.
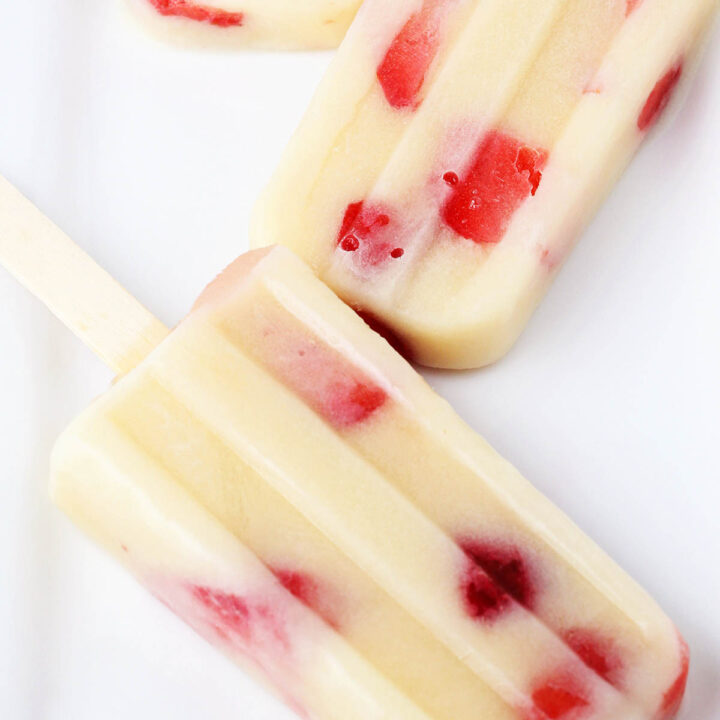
[(236, 272)]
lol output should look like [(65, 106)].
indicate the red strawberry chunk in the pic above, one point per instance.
[(312, 592), (672, 700), (503, 173), (496, 574), (369, 233), (659, 97), (200, 13), (404, 68), (558, 699), (598, 653), (326, 380), (235, 617)]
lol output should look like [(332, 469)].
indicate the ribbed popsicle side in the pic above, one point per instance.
[(131, 506), (229, 24), (447, 217)]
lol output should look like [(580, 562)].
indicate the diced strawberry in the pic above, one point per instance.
[(483, 598), (503, 173), (631, 6), (354, 402), (200, 13), (324, 378), (231, 611), (312, 593), (672, 700), (235, 617), (257, 624), (497, 573), (352, 211), (404, 68), (350, 243), (598, 653), (561, 698), (505, 564), (659, 97), (367, 231)]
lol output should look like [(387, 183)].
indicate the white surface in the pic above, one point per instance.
[(150, 158)]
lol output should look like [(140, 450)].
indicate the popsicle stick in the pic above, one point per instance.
[(109, 320)]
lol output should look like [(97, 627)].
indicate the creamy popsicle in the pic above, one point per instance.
[(456, 149), (283, 480), (324, 455), (288, 24)]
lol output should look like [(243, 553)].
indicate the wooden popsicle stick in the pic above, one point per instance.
[(109, 320)]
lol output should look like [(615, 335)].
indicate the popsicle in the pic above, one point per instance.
[(282, 24), (283, 480), (456, 149)]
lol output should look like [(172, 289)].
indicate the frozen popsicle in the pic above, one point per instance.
[(282, 479), (284, 24), (456, 149)]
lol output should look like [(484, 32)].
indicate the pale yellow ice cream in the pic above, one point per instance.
[(288, 484)]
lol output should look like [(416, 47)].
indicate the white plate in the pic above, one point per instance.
[(151, 157)]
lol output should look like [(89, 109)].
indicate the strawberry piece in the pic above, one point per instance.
[(560, 698), (672, 700), (484, 600), (497, 573), (234, 616), (404, 68), (598, 653), (503, 173), (366, 231), (310, 591), (659, 97), (326, 380), (200, 13)]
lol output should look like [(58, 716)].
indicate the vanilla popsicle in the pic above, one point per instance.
[(282, 479), (282, 24), (456, 149)]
